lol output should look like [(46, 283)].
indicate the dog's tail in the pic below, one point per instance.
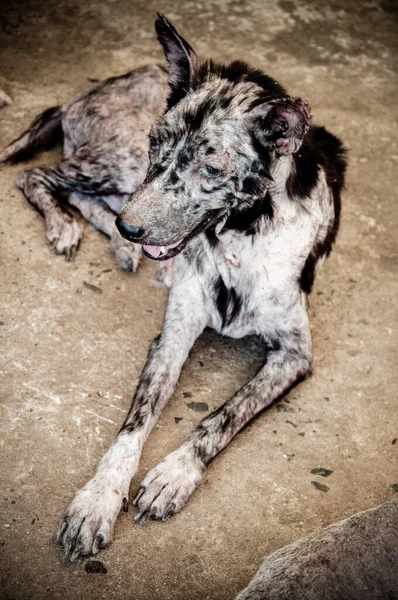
[(43, 134)]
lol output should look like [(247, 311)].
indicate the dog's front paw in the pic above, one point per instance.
[(168, 486), (88, 524), (128, 254), (63, 234)]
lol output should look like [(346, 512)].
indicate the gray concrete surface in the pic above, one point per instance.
[(70, 357)]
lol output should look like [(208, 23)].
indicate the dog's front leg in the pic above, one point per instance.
[(168, 486), (89, 521), (96, 212)]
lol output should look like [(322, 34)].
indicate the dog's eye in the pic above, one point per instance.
[(211, 172), (153, 145)]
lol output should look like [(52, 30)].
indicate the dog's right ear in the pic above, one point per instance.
[(181, 58)]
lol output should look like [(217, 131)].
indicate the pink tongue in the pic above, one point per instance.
[(152, 250), (155, 251)]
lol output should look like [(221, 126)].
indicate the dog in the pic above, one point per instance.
[(244, 196), (105, 147)]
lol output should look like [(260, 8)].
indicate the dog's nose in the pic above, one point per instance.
[(130, 232)]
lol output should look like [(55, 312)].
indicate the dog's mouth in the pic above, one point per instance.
[(169, 251), (162, 252)]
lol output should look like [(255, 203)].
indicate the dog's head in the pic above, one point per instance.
[(213, 151)]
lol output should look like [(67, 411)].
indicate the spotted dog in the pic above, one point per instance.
[(105, 146), (244, 196)]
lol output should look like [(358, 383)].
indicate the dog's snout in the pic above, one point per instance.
[(130, 232)]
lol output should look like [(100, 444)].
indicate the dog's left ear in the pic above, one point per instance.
[(180, 56), (281, 124)]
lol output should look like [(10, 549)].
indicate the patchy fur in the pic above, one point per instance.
[(105, 145)]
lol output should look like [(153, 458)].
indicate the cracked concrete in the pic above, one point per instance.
[(71, 357)]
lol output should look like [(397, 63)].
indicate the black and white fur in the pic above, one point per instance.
[(245, 197)]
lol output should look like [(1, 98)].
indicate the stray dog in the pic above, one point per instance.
[(105, 147), (245, 197)]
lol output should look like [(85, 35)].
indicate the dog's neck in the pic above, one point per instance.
[(248, 219)]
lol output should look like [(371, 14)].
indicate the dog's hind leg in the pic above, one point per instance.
[(85, 173), (96, 212), (63, 231), (167, 487), (89, 521)]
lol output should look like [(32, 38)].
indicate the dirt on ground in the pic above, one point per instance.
[(71, 354)]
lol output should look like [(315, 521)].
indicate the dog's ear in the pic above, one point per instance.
[(180, 56), (281, 124)]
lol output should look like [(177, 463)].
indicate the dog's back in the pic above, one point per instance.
[(112, 115)]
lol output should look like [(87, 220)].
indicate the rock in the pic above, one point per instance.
[(198, 406), (354, 559), (322, 472), (95, 566)]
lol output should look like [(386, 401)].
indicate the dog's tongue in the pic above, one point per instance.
[(156, 251)]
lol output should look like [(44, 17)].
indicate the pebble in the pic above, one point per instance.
[(198, 406), (322, 472), (95, 566), (320, 486)]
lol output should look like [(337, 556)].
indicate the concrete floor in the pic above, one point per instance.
[(70, 357)]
